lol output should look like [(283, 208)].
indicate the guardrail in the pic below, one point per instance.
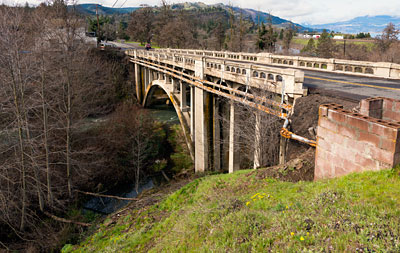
[(363, 68), (276, 80)]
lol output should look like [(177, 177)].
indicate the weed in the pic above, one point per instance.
[(358, 212)]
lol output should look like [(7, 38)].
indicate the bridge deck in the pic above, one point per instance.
[(346, 85)]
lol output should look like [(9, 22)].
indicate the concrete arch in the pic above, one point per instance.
[(184, 121)]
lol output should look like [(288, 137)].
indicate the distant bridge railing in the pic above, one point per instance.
[(277, 80), (362, 68)]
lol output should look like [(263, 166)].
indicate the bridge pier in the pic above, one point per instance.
[(192, 112), (234, 158), (146, 78), (201, 147), (216, 134), (183, 94), (150, 76), (138, 83)]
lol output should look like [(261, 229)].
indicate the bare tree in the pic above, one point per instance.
[(141, 25), (387, 38), (287, 38), (256, 132)]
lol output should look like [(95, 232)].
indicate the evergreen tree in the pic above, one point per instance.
[(261, 37), (325, 45), (310, 48), (281, 34)]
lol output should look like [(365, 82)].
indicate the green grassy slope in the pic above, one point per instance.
[(244, 212), (368, 44)]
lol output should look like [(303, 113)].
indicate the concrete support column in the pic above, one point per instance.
[(146, 78), (138, 83), (216, 134), (200, 137), (201, 146), (192, 126), (173, 83), (166, 78), (257, 142), (233, 154), (151, 77), (184, 107)]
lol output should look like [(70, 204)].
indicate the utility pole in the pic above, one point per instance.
[(344, 48), (98, 23)]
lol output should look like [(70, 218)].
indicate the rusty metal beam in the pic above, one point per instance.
[(246, 95), (242, 98), (199, 84)]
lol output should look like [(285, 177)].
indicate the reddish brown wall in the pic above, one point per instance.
[(350, 142), (381, 108)]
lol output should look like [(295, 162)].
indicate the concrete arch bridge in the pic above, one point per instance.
[(202, 88)]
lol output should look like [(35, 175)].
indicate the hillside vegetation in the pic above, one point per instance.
[(246, 212)]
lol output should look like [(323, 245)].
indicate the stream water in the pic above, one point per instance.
[(105, 205), (163, 113)]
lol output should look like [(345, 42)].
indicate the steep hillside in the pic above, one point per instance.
[(91, 9), (246, 211), (250, 14), (255, 16), (371, 24)]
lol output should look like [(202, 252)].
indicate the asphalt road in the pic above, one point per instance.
[(126, 46), (350, 86)]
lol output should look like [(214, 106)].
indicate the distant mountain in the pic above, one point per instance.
[(251, 14), (259, 16), (255, 16), (91, 9), (371, 24)]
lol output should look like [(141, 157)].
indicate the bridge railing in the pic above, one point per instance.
[(258, 76), (362, 68), (277, 80)]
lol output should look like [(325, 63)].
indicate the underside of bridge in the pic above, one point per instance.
[(222, 135)]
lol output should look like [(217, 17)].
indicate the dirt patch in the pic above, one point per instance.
[(305, 113), (298, 169), (305, 117)]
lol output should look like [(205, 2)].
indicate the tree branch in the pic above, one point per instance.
[(105, 196), (67, 221)]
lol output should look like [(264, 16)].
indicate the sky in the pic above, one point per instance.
[(298, 11)]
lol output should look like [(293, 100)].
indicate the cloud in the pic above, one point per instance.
[(299, 11)]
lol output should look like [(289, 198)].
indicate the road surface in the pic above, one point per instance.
[(350, 86)]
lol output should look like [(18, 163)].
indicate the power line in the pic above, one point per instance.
[(114, 4), (123, 3)]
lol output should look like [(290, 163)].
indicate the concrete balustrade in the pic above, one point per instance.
[(277, 80), (362, 68)]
